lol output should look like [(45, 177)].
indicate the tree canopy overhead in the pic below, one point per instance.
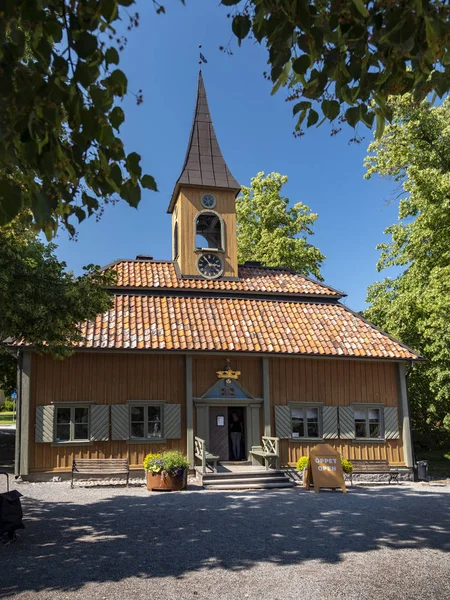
[(342, 59), (271, 232), (414, 306), (60, 151)]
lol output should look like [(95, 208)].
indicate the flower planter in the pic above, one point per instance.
[(165, 482)]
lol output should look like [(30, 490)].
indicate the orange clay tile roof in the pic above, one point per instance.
[(149, 322), (262, 280)]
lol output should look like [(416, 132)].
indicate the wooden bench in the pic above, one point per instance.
[(372, 467), (268, 452), (100, 466), (204, 455)]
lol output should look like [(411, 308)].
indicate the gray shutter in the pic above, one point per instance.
[(45, 420), (99, 422), (120, 426), (391, 431), (283, 422), (346, 423), (329, 422), (172, 421)]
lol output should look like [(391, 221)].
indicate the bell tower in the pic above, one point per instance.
[(203, 203)]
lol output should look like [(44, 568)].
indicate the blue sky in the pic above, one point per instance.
[(254, 130)]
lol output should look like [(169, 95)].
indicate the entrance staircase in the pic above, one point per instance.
[(244, 477)]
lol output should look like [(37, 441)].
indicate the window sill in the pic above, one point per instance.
[(306, 439), (365, 440), (147, 441), (73, 443), (202, 250)]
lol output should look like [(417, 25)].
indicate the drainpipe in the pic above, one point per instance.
[(18, 415), (408, 373)]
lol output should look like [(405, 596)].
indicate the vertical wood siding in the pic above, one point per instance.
[(336, 383), (104, 379)]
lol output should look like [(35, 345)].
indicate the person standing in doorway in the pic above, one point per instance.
[(236, 430)]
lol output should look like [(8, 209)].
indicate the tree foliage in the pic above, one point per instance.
[(272, 232), (342, 59), (415, 152), (60, 152), (40, 301)]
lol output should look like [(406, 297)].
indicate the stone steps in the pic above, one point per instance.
[(246, 479)]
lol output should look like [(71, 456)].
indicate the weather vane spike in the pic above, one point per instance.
[(202, 59)]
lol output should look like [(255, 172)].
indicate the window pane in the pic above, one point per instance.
[(360, 429), (154, 413), (360, 415), (81, 432), (62, 433), (154, 421), (137, 430), (137, 413), (81, 415), (374, 414), (374, 429), (298, 413), (313, 413), (63, 414)]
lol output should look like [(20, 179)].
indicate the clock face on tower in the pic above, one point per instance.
[(209, 265)]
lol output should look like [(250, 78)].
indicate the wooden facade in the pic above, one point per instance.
[(117, 378)]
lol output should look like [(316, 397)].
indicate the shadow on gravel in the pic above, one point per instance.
[(67, 545)]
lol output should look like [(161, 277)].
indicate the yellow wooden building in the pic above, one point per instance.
[(201, 348)]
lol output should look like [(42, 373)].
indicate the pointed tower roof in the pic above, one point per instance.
[(204, 164)]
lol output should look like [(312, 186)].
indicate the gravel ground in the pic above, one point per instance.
[(104, 542)]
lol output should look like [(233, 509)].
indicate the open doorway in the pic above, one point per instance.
[(236, 426)]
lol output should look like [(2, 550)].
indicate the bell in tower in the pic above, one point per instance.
[(203, 203)]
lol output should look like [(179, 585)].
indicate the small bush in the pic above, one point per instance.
[(302, 463), (172, 461), (8, 406)]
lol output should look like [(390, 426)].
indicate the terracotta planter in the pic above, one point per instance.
[(165, 482)]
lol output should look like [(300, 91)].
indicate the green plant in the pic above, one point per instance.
[(8, 406), (302, 463), (347, 465), (172, 462)]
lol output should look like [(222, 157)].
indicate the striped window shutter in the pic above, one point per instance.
[(99, 422), (283, 422), (120, 426), (329, 422), (391, 430), (172, 421), (346, 423), (45, 420)]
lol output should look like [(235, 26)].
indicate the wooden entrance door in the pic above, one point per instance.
[(218, 432)]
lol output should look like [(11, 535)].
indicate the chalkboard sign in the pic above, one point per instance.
[(324, 469)]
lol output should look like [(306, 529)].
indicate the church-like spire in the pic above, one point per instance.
[(204, 164)]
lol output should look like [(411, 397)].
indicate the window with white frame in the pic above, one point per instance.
[(305, 421), (71, 423), (146, 421), (368, 422)]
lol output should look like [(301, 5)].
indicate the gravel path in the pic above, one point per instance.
[(386, 542)]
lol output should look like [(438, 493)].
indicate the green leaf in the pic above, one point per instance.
[(118, 82), (112, 56), (304, 105), (301, 64), (230, 2), (282, 79), (241, 26), (331, 109), (381, 124), (149, 183), (361, 7), (131, 192), (116, 117), (86, 44), (109, 10), (313, 117), (352, 115), (133, 165)]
